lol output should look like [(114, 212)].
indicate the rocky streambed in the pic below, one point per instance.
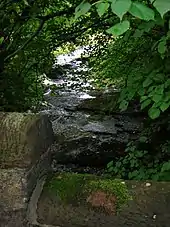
[(88, 131)]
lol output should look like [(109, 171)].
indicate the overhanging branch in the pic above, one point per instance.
[(43, 19), (27, 42), (67, 12)]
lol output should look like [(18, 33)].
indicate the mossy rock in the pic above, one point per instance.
[(105, 103), (78, 189), (74, 200)]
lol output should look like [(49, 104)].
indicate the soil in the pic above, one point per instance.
[(150, 207)]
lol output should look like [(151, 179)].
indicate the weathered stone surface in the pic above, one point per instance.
[(149, 207), (94, 141), (14, 218), (86, 133), (107, 127), (13, 191), (25, 156), (17, 184), (23, 138)]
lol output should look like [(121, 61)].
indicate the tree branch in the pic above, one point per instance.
[(27, 42), (67, 12), (43, 19)]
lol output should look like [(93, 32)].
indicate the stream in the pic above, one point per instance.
[(86, 136)]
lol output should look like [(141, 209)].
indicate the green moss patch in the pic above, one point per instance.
[(111, 187), (76, 188)]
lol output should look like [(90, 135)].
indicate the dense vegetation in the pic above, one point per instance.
[(30, 32), (131, 52)]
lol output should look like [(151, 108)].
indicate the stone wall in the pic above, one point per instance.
[(25, 156)]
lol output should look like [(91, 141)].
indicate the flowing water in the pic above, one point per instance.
[(86, 137)]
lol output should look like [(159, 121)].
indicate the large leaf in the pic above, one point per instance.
[(163, 6), (147, 26), (141, 11), (145, 104), (157, 97), (162, 47), (26, 2), (164, 106), (141, 91), (166, 166), (143, 98), (138, 33), (123, 105), (119, 29), (159, 89), (120, 7), (82, 9), (147, 82), (154, 112), (102, 7)]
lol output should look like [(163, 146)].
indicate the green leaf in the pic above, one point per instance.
[(131, 94), (164, 106), (127, 35), (151, 88), (1, 39), (147, 26), (162, 47), (157, 104), (166, 166), (163, 6), (26, 3), (143, 98), (123, 95), (123, 105), (138, 33), (82, 9), (167, 83), (167, 97), (145, 104), (147, 82), (102, 7), (120, 7), (141, 91), (110, 164), (157, 98), (159, 77), (159, 89), (119, 28), (143, 139), (154, 113), (141, 11), (133, 174)]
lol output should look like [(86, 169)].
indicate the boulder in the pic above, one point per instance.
[(75, 200), (25, 156), (91, 131), (93, 141), (23, 138)]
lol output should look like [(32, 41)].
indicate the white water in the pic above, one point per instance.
[(70, 79)]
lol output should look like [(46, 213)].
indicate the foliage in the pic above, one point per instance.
[(30, 33), (151, 86), (121, 59), (140, 164)]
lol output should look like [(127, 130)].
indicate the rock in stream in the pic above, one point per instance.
[(86, 133)]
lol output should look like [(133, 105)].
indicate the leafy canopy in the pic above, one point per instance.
[(139, 19)]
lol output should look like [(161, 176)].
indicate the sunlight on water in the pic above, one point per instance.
[(67, 58), (86, 96)]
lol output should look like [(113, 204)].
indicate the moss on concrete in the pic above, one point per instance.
[(75, 188), (113, 187)]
